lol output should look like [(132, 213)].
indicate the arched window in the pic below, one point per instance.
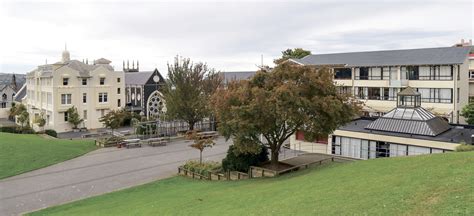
[(155, 105), (4, 96)]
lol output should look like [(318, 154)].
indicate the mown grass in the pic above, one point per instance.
[(21, 153), (441, 184)]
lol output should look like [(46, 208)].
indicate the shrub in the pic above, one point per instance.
[(26, 130), (52, 133), (8, 129), (202, 168), (235, 161), (464, 148)]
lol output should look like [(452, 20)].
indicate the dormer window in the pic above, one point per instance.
[(102, 81), (65, 81)]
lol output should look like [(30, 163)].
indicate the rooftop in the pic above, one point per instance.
[(455, 134), (237, 75), (424, 56)]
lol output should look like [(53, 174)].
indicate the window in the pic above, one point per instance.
[(118, 90), (374, 93), (84, 116), (65, 81), (471, 99), (363, 73), (102, 113), (412, 72), (84, 81), (84, 97), (50, 98), (374, 73), (102, 81), (342, 73), (457, 71), (66, 99), (436, 72), (66, 116), (457, 96), (118, 79), (344, 90), (471, 74), (102, 97), (361, 93), (436, 95), (119, 104)]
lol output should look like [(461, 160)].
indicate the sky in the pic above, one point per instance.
[(227, 35)]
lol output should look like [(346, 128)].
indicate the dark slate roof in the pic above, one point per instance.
[(83, 68), (137, 78), (21, 93), (455, 134), (425, 56), (237, 75), (410, 121), (6, 79)]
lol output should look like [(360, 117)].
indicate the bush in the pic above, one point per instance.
[(8, 129), (202, 168), (464, 148), (52, 133), (235, 161), (26, 130)]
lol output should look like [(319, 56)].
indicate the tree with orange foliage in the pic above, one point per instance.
[(276, 104)]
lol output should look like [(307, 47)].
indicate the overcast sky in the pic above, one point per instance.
[(228, 35)]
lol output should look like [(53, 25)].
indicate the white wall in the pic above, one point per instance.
[(4, 112)]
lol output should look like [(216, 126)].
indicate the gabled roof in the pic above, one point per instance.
[(83, 68), (236, 75), (20, 94), (137, 78), (410, 121), (425, 56)]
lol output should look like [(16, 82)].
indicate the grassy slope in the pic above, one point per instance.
[(20, 153), (425, 185)]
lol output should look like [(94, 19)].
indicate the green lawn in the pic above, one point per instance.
[(21, 153), (440, 184)]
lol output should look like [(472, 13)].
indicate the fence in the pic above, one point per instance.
[(154, 129), (263, 172), (213, 176)]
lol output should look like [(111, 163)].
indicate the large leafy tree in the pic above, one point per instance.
[(277, 104), (468, 113), (295, 53), (188, 90)]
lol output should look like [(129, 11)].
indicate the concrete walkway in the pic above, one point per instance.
[(97, 172)]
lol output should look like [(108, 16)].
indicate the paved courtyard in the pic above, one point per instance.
[(98, 172)]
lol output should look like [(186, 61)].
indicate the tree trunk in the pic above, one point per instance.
[(191, 125), (274, 157), (200, 157)]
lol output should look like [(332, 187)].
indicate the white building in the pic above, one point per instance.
[(94, 89), (444, 77), (441, 75)]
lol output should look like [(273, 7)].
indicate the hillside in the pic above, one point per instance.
[(424, 185), (25, 152)]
